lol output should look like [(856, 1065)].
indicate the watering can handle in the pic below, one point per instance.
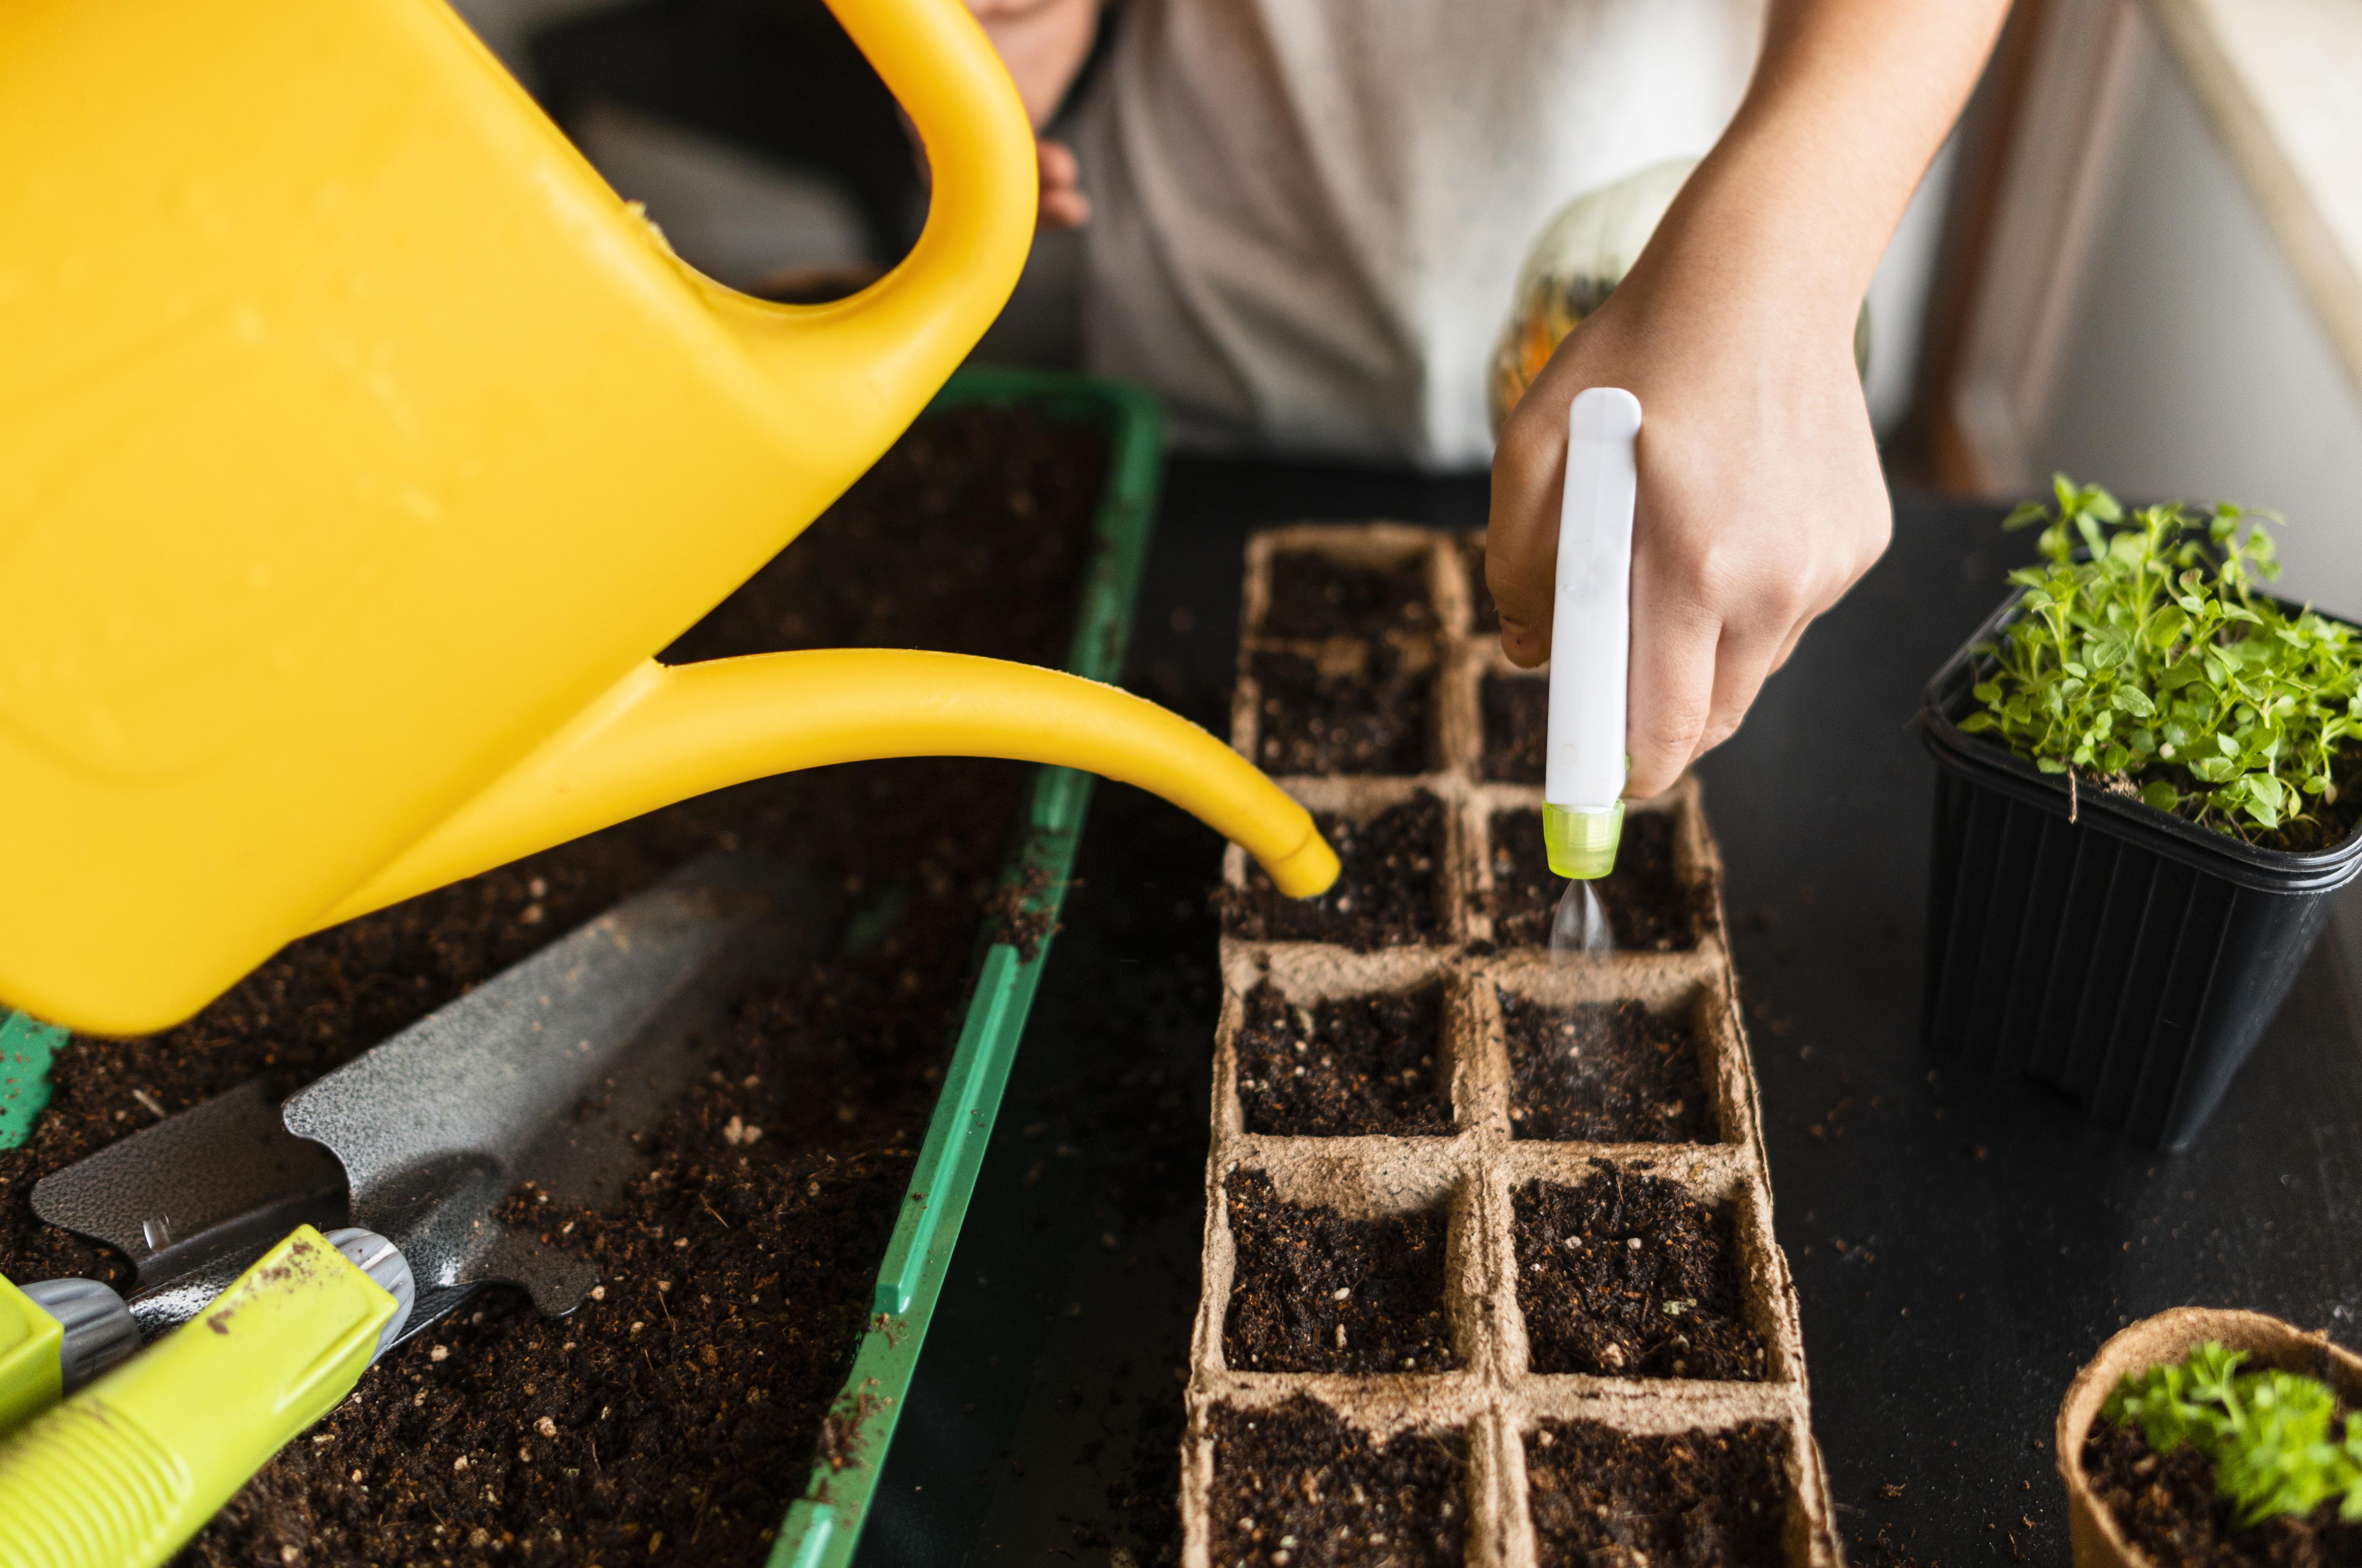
[(891, 346)]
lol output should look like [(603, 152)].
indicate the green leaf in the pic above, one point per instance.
[(2160, 794), (1978, 723)]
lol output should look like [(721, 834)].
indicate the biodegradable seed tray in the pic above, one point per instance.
[(1462, 932)]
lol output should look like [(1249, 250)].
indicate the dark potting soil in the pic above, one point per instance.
[(1317, 1292), (1343, 1066), (682, 1407), (1383, 897), (1696, 1499), (1314, 596), (1487, 614), (1294, 1485), (1516, 727), (2167, 1505), (1650, 908), (1605, 1073), (1351, 707), (1628, 1276)]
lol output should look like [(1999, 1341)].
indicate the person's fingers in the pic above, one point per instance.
[(1670, 689), (1741, 664), (1521, 531), (1064, 204)]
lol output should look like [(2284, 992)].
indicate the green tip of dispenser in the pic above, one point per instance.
[(1582, 844)]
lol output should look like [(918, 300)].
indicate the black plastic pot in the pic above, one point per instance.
[(2123, 955)]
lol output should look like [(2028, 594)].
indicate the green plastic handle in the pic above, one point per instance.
[(122, 1474), (32, 1345)]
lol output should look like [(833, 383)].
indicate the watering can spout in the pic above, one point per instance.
[(666, 734)]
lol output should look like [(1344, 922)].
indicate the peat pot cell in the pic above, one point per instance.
[(1312, 596), (1628, 1276), (1650, 908), (1351, 707), (1383, 897), (1605, 1073), (1516, 727), (2167, 1505), (1295, 1486), (1696, 1499), (1344, 1067), (1313, 1291), (1485, 616)]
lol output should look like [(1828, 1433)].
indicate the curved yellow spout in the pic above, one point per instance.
[(666, 734)]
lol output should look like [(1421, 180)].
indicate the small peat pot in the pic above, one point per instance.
[(2095, 944), (2173, 1521), (1489, 1274)]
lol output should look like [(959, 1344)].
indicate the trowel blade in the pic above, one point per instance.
[(196, 1197), (547, 1073)]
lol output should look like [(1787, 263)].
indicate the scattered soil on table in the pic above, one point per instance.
[(2167, 1506), (683, 1405), (1697, 1500), (1383, 897), (1487, 615), (1628, 1276), (1516, 728), (1343, 1066), (1316, 1292), (1297, 1472), (1008, 920), (1314, 596), (1605, 1073), (1650, 908), (1347, 707)]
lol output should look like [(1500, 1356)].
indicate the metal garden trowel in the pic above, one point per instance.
[(546, 1074)]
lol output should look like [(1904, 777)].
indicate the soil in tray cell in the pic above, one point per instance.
[(1339, 1067), (1314, 1291), (1351, 707), (1312, 596), (1628, 1276), (2167, 1505), (1650, 909), (686, 1400), (1294, 1484), (1605, 1073), (1384, 896), (1516, 728), (1697, 1500)]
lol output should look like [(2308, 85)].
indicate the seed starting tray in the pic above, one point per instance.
[(1494, 1402)]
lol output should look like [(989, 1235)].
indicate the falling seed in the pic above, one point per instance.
[(439, 1352), (1634, 1243), (1343, 1291)]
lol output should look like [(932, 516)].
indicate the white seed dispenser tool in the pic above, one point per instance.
[(1590, 637)]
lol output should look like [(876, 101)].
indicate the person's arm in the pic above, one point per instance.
[(1760, 498), (1044, 43)]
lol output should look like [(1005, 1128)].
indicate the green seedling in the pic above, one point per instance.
[(2267, 1432), (2151, 667)]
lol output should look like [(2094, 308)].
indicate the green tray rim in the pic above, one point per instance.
[(824, 1525)]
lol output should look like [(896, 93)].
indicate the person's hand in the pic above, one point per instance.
[(1044, 43), (1760, 497), (1064, 206)]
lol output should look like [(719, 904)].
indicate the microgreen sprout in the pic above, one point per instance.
[(2267, 1432), (2151, 667)]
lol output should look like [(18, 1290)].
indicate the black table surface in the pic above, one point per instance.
[(1961, 1244)]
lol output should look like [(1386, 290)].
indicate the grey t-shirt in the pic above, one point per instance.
[(1308, 214)]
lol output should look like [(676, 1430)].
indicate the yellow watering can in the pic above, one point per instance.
[(358, 445)]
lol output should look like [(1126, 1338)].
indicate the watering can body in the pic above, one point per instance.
[(355, 437)]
